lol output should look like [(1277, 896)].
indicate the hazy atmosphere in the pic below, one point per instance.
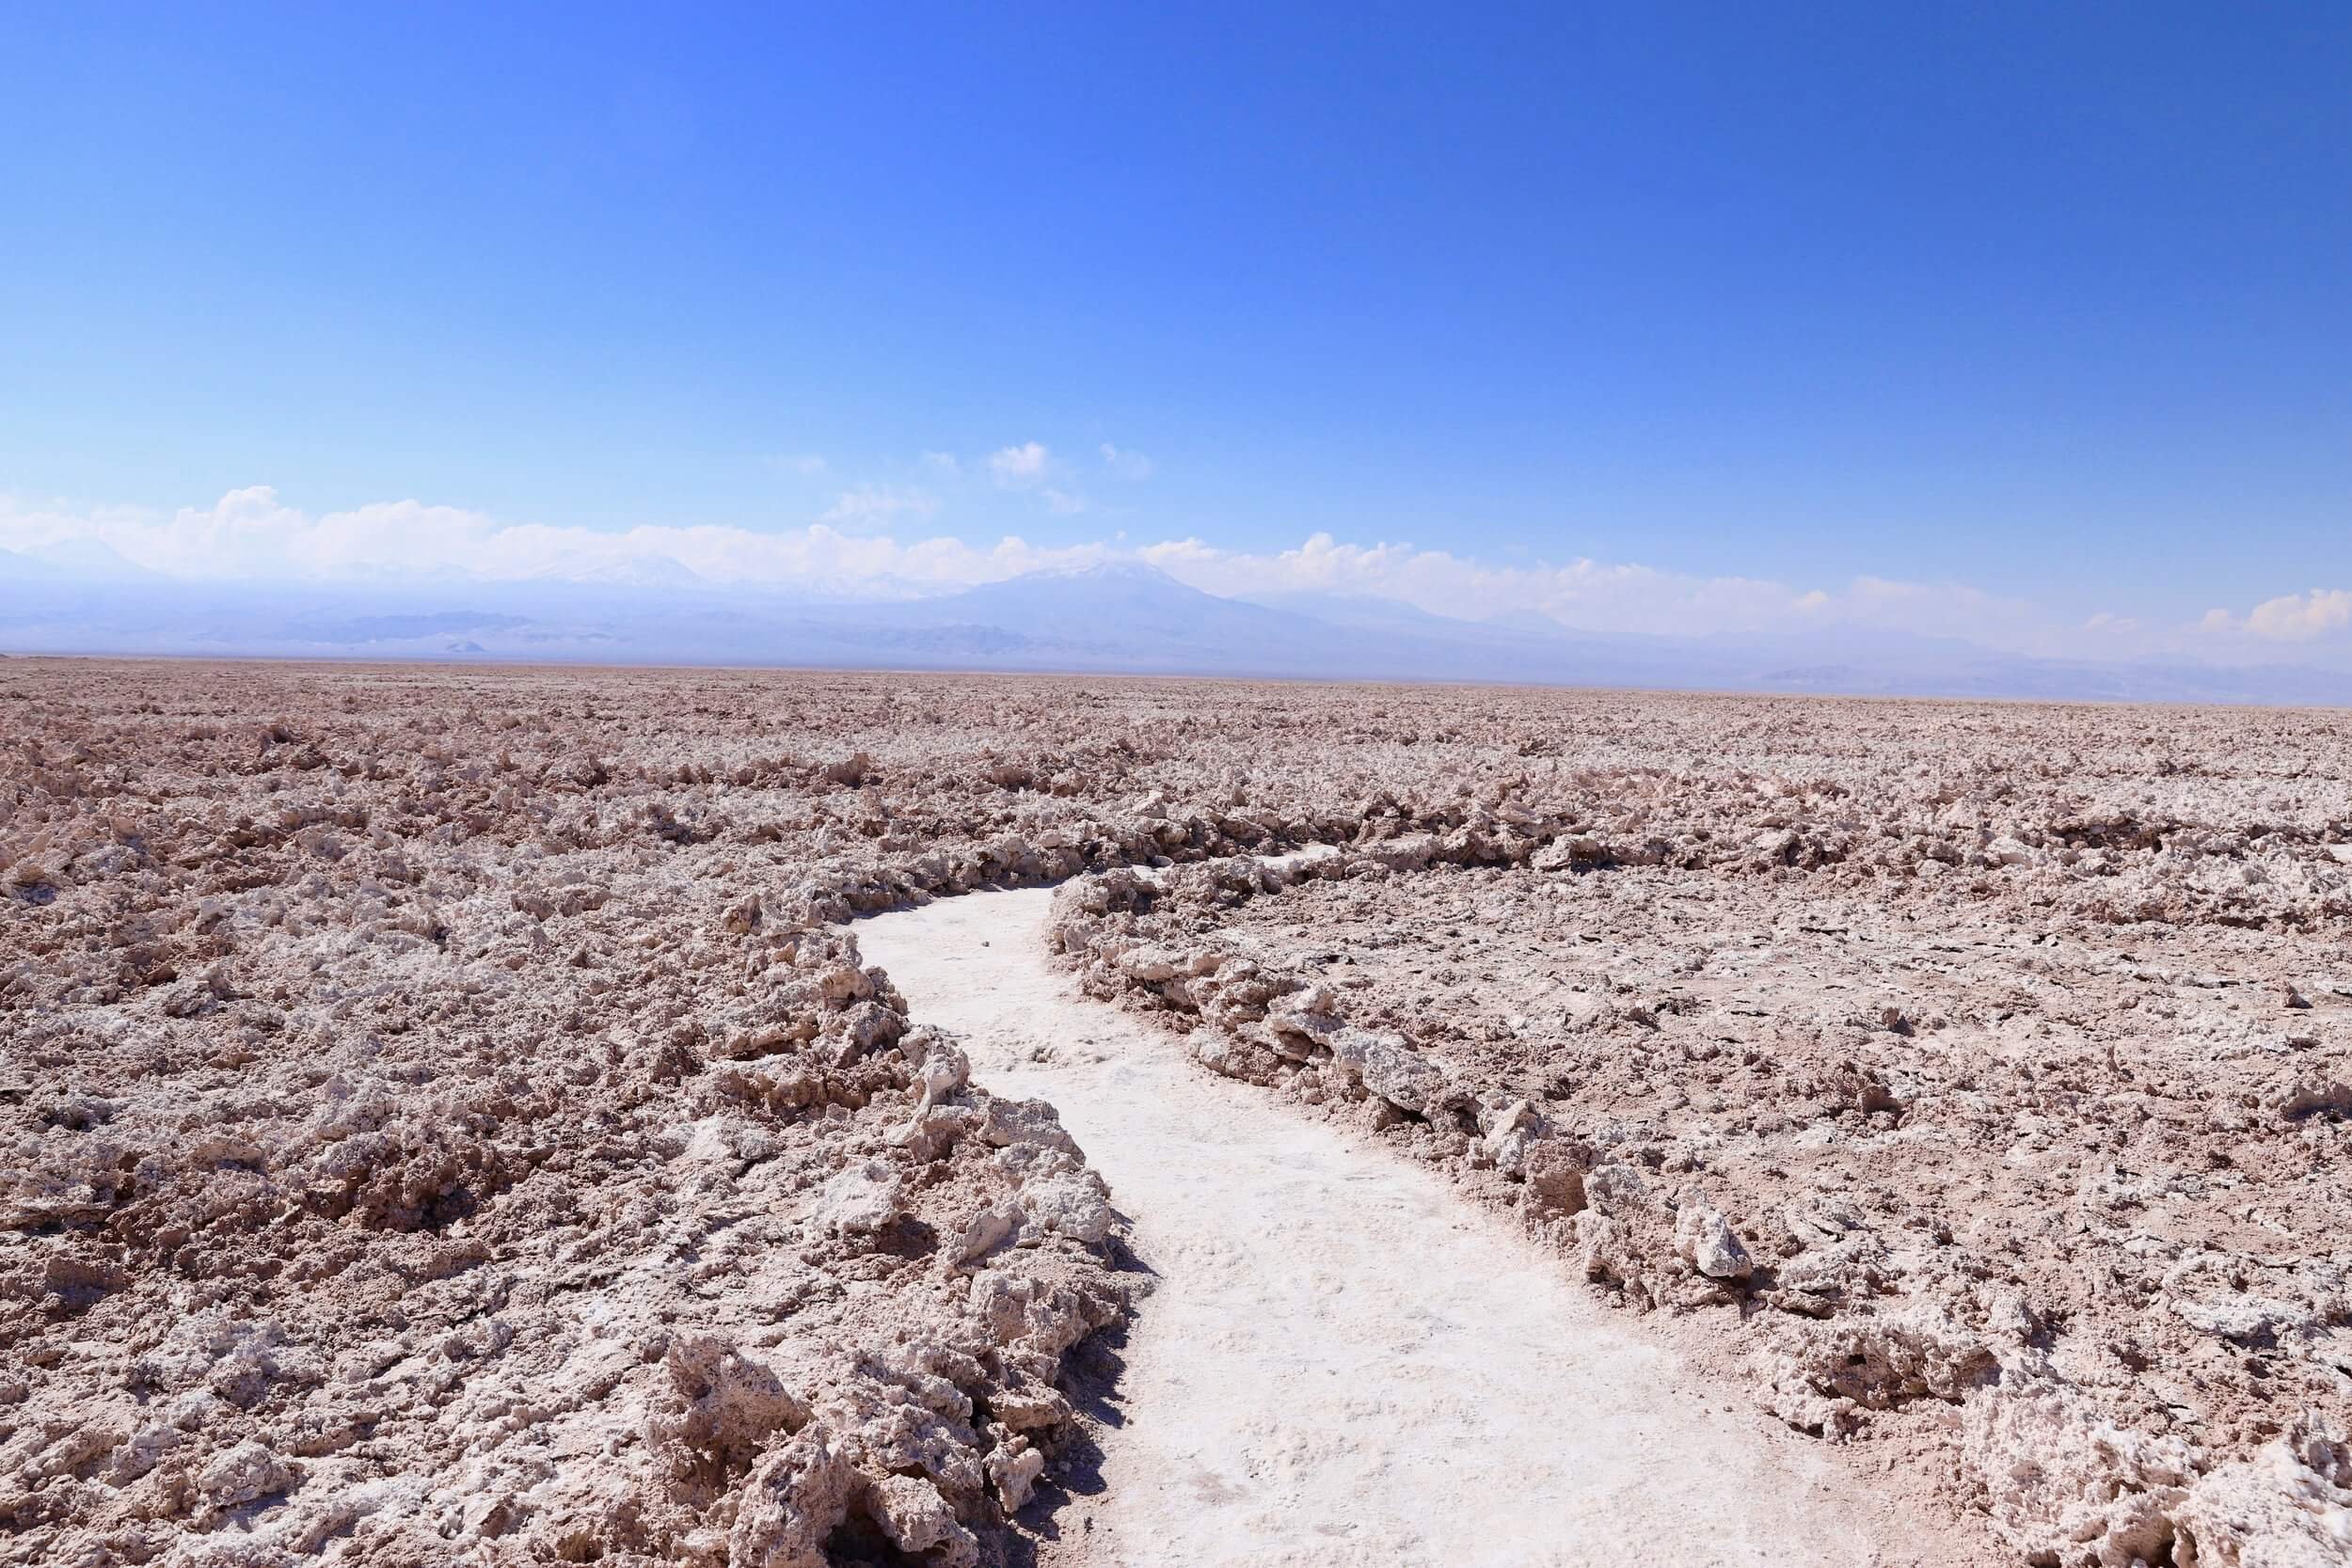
[(2019, 332)]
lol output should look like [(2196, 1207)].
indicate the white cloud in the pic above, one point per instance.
[(249, 533), (252, 535), (2305, 617), (878, 505), (1125, 464), (1588, 595), (807, 465), (2302, 617), (1020, 466), (860, 546), (866, 545), (942, 462), (1030, 466)]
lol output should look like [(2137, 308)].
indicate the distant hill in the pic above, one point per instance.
[(1122, 617)]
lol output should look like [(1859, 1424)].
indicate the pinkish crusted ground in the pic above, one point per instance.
[(443, 1126), (2055, 1208)]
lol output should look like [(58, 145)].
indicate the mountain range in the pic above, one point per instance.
[(1115, 618)]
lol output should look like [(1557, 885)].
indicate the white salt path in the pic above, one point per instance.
[(1342, 1362)]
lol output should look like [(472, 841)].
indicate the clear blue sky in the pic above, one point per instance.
[(2052, 299)]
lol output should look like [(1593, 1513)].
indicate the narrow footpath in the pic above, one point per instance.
[(1342, 1362)]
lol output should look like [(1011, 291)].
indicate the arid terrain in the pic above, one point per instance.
[(450, 1118)]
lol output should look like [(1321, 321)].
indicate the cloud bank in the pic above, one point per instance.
[(2307, 617), (858, 549)]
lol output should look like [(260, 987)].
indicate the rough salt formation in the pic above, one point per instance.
[(438, 1127), (2065, 1194), (441, 1124)]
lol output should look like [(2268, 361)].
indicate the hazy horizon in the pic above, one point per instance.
[(1108, 618)]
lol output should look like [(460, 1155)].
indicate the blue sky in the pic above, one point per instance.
[(2045, 307)]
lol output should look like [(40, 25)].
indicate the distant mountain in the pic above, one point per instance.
[(658, 572), (1119, 617), (19, 567), (1527, 621), (365, 629), (1371, 613), (1131, 616), (91, 560), (1123, 612)]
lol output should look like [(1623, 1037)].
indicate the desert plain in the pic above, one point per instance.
[(450, 1117)]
